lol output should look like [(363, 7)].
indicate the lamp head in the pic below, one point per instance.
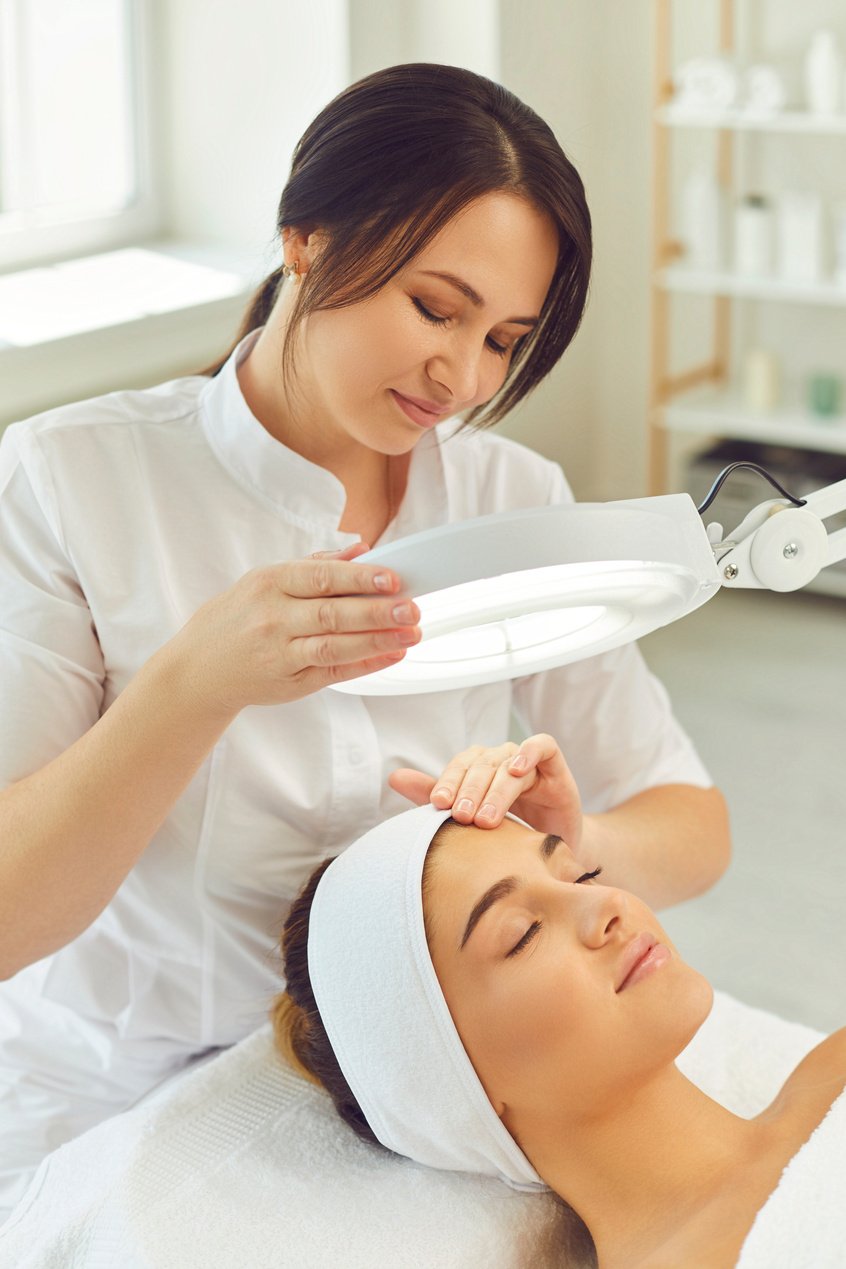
[(510, 594)]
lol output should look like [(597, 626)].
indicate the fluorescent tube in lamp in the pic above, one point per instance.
[(510, 594)]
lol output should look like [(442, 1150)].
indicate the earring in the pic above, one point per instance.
[(291, 270)]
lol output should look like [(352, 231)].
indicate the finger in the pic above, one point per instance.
[(503, 792), (452, 777), (473, 792), (346, 553), (347, 614), (307, 579), (339, 650), (449, 782), (538, 750), (411, 784), (313, 678)]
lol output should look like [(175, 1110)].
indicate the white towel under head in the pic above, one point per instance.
[(385, 1014)]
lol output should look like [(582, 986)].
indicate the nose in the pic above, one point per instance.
[(602, 915), (457, 370)]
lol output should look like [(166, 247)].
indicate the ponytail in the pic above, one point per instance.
[(290, 1029)]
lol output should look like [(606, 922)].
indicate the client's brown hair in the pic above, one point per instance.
[(298, 1030)]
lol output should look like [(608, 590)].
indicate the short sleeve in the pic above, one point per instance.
[(612, 718), (51, 667)]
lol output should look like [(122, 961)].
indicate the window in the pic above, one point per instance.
[(74, 168)]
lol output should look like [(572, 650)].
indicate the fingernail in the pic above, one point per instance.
[(487, 812), (519, 762), (403, 614), (382, 581), (464, 807), (443, 795), (406, 637)]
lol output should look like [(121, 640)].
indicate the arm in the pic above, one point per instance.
[(87, 793), (665, 844), (71, 831)]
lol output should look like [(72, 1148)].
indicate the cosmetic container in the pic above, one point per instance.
[(753, 236), (800, 236), (824, 394), (823, 74), (760, 381), (702, 214)]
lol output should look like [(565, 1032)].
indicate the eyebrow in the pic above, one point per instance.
[(501, 889), (473, 296)]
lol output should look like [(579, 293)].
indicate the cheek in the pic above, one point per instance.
[(529, 1026)]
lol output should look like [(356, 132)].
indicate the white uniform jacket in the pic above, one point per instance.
[(119, 517)]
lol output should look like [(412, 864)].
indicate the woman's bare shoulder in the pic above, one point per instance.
[(816, 1083)]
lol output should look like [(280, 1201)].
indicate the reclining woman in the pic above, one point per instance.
[(479, 1000)]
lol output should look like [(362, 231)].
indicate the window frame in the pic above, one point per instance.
[(47, 243)]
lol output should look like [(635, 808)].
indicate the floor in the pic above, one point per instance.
[(759, 680)]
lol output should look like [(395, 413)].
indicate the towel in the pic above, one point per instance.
[(242, 1164), (245, 1165), (803, 1223)]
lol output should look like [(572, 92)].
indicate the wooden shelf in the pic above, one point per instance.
[(786, 121), (716, 412), (697, 282)]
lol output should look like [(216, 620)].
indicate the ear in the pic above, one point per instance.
[(302, 245)]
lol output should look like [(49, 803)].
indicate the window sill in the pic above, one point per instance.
[(127, 318)]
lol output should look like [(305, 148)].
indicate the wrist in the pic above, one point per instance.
[(181, 671)]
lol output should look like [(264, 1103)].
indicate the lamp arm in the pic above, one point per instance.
[(782, 547)]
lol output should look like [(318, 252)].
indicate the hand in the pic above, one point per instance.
[(481, 785), (286, 630)]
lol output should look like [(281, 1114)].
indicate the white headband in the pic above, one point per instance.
[(386, 1016)]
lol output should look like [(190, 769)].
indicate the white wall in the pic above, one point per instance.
[(239, 84), (584, 66), (558, 57)]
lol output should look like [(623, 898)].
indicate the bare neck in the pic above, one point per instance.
[(645, 1166), (374, 482)]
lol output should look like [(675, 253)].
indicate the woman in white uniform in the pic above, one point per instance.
[(172, 758)]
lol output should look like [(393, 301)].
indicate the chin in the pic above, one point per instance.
[(692, 1007)]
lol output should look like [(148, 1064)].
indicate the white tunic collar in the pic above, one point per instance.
[(297, 489)]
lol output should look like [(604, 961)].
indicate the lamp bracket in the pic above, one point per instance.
[(782, 547)]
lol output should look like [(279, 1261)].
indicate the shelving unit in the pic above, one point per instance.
[(702, 400)]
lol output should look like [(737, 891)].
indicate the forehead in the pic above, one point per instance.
[(466, 860), (503, 246)]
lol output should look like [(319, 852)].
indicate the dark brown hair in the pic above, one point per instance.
[(298, 1030), (388, 162)]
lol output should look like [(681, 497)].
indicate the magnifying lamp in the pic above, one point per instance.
[(513, 593)]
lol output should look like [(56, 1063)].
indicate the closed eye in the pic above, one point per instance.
[(526, 939), (536, 925), (500, 349)]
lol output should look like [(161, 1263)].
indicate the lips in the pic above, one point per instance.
[(424, 416), (431, 407), (635, 951)]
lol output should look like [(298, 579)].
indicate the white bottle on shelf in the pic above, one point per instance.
[(800, 236), (753, 236), (760, 381), (823, 74), (702, 215)]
